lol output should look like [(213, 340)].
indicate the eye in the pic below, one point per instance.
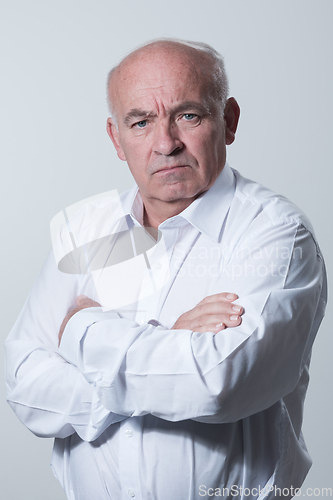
[(190, 116), (140, 124)]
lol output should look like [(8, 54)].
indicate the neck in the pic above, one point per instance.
[(156, 213)]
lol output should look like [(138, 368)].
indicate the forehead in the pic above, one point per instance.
[(157, 78)]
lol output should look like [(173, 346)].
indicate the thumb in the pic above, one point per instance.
[(80, 299)]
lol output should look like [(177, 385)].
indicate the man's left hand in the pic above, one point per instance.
[(82, 302)]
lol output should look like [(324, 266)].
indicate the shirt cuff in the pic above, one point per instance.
[(76, 329)]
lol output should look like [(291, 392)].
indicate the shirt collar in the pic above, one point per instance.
[(132, 204), (207, 213)]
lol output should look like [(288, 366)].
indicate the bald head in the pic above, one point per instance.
[(206, 66), (171, 122)]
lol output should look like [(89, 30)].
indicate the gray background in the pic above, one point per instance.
[(54, 149)]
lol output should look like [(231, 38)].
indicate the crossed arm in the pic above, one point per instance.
[(217, 378), (213, 314)]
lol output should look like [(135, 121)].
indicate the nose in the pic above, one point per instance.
[(166, 140)]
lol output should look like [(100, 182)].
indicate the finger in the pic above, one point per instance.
[(81, 298), (214, 322), (224, 296), (236, 309), (205, 328), (220, 326), (213, 308), (209, 323), (229, 296), (83, 302), (229, 321), (64, 323)]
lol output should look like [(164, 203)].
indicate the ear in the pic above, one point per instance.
[(231, 117), (113, 133)]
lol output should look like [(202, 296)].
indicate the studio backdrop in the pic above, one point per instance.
[(55, 151)]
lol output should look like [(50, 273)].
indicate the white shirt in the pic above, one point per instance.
[(146, 412)]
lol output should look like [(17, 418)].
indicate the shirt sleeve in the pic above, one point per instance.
[(48, 394), (279, 275)]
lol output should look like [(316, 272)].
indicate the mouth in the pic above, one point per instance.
[(173, 168)]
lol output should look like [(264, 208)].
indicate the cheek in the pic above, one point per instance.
[(135, 149), (204, 152), (215, 145), (137, 158), (204, 142), (210, 156)]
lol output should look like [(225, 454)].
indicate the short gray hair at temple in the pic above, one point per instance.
[(219, 84)]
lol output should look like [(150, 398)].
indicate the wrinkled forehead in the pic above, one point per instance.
[(159, 72)]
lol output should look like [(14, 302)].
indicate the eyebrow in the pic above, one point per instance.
[(136, 113), (192, 105), (184, 106)]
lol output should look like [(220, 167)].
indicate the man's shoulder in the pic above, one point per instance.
[(253, 200), (86, 221)]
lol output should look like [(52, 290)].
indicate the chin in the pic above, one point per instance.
[(174, 193)]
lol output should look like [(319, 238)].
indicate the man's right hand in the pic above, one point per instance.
[(212, 314), (82, 302)]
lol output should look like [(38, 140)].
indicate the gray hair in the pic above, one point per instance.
[(219, 87)]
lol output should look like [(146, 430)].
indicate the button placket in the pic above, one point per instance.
[(129, 447)]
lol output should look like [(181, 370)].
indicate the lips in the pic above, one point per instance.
[(167, 169)]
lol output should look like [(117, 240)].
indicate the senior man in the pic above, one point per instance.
[(189, 393)]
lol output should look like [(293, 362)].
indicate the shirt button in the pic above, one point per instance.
[(131, 493), (144, 321), (157, 265), (128, 433)]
